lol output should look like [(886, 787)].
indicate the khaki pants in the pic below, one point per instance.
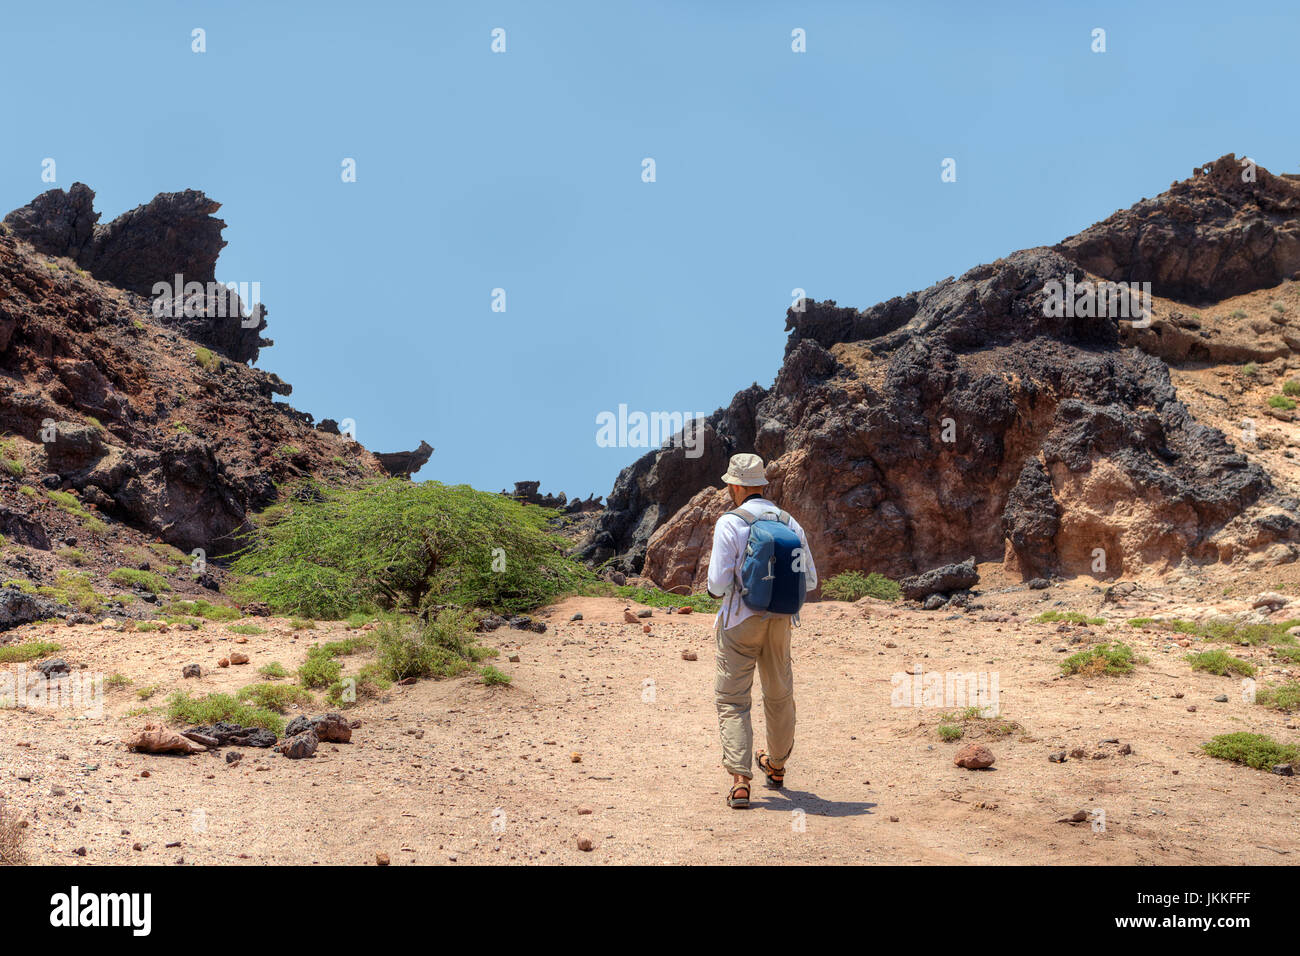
[(763, 639)]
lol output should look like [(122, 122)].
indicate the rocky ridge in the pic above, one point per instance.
[(971, 419)]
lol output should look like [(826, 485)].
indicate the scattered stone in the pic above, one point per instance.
[(1191, 708), (157, 739), (1283, 770), (689, 656), (224, 662), (644, 612), (685, 610), (584, 843), (974, 757), (584, 811), (946, 579), (576, 617), (300, 747), (238, 658), (1078, 753), (1058, 757), (1038, 584), (331, 728), (1270, 600), (1078, 816), (54, 667), (210, 742), (1221, 699), (629, 617), (513, 658), (575, 757), (233, 756), (934, 602), (381, 859), (257, 609), (645, 628)]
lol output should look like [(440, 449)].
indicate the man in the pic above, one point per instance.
[(746, 637)]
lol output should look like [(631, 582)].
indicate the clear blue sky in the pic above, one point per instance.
[(522, 170)]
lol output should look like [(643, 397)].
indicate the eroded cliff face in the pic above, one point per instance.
[(152, 423), (965, 419)]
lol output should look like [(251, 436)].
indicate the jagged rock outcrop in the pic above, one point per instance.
[(403, 464), (529, 492), (175, 234), (971, 418), (1209, 237), (119, 431)]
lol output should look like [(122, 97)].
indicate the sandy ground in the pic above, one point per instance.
[(455, 772)]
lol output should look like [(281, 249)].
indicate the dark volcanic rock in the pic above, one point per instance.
[(971, 419), (944, 580), (1207, 238), (17, 607), (175, 234), (327, 727), (403, 464)]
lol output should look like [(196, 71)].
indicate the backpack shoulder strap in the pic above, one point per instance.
[(743, 515)]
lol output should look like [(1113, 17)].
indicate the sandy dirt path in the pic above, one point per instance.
[(455, 772)]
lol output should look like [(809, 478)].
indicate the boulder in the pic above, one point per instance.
[(943, 580)]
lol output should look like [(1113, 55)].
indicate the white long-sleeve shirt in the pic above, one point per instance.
[(730, 535)]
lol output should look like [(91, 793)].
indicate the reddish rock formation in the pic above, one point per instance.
[(970, 419)]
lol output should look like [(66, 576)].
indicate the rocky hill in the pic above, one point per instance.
[(976, 418), (129, 428)]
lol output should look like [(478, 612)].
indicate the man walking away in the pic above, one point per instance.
[(762, 567)]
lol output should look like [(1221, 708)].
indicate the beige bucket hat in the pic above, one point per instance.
[(746, 471)]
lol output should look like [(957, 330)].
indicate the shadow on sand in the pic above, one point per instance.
[(811, 804)]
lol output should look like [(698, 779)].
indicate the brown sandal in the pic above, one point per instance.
[(775, 775), (738, 803)]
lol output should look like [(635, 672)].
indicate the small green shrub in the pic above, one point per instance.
[(206, 359), (442, 647), (276, 697), (1284, 697), (1282, 402), (246, 629), (206, 610), (1253, 750), (274, 670), (853, 586), (182, 708), (1221, 663), (1116, 658), (67, 501), (135, 578), (319, 669), (117, 680), (20, 653), (1291, 387), (493, 677), (74, 556), (950, 732)]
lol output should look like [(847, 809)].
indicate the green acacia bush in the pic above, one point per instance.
[(400, 545)]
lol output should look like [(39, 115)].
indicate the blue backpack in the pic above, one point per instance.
[(771, 575)]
